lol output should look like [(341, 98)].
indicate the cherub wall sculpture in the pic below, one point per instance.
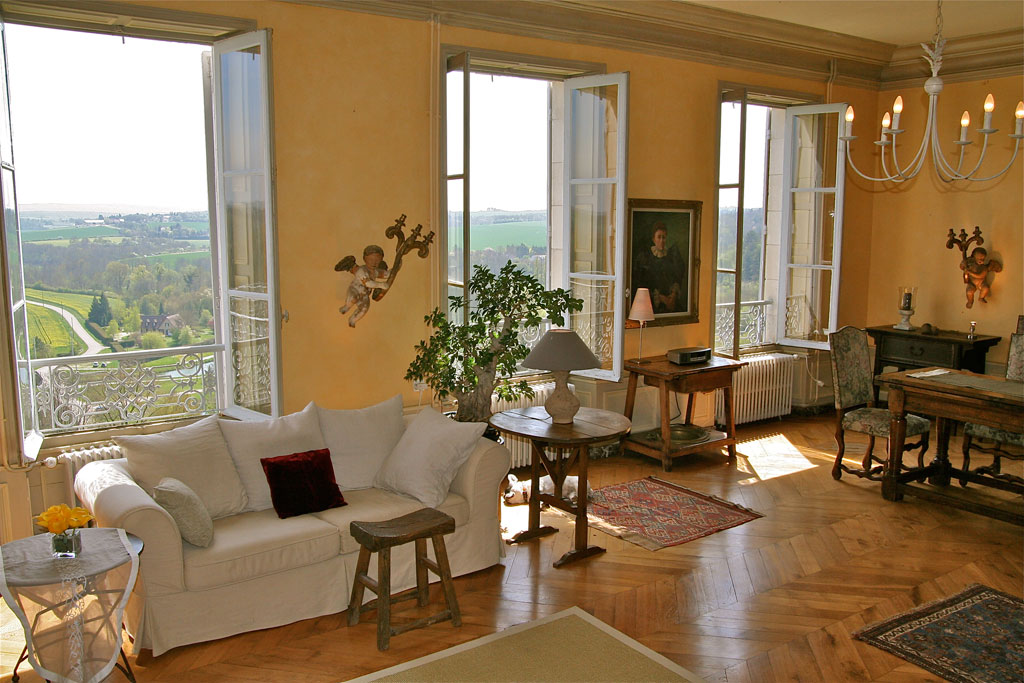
[(374, 275), (975, 267)]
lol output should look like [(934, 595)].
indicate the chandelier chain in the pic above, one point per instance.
[(938, 24)]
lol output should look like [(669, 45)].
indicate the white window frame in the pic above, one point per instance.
[(791, 152)]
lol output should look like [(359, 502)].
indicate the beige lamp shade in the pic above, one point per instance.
[(561, 350), (642, 310)]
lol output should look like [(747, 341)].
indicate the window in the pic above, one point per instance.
[(534, 171), (223, 329), (767, 289)]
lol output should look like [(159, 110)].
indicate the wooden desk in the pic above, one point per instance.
[(684, 379), (906, 349), (590, 425), (959, 396)]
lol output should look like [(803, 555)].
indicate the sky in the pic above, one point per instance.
[(96, 121)]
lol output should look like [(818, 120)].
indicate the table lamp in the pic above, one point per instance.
[(560, 351), (643, 312)]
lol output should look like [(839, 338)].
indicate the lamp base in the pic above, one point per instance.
[(904, 323), (562, 405)]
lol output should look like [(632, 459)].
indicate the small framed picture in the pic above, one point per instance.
[(663, 245)]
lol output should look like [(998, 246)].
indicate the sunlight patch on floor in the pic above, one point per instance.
[(770, 456)]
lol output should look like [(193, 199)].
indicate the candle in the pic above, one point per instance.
[(885, 126), (965, 121), (849, 121), (897, 109), (1019, 115), (990, 104), (908, 300)]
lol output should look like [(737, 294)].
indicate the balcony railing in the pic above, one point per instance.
[(110, 389), (753, 324)]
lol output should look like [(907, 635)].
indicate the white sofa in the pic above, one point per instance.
[(261, 571)]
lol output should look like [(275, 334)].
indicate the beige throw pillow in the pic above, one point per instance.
[(188, 512), (360, 440), (195, 455), (250, 441)]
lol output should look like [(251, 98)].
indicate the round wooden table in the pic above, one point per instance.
[(590, 426)]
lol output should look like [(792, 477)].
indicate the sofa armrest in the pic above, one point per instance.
[(479, 478), (107, 490)]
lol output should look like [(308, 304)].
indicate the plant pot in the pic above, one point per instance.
[(67, 544)]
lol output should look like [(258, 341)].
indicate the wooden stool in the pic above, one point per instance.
[(379, 537)]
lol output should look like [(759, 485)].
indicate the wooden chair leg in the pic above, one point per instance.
[(422, 584), (837, 467), (384, 599), (967, 459), (441, 555), (355, 604)]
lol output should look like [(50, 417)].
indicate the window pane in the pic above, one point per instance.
[(815, 148), (595, 324), (595, 132), (456, 236), (6, 151), (13, 239), (456, 315), (592, 247), (245, 215), (250, 353), (729, 151), (241, 101), (454, 100), (808, 303), (812, 229), (728, 219), (725, 308)]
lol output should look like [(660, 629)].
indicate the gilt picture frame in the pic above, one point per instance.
[(663, 251)]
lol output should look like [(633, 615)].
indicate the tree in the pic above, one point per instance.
[(41, 349), (113, 329), (183, 336), (132, 320), (153, 340), (94, 310)]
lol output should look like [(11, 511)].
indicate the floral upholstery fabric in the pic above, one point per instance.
[(875, 421), (993, 434), (1015, 361), (851, 368)]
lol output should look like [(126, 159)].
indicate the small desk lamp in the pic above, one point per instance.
[(560, 351), (643, 312)]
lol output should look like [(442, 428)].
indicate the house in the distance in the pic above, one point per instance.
[(164, 323)]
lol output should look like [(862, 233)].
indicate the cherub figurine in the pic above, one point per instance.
[(976, 271), (371, 275)]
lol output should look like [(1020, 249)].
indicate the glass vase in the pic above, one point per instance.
[(67, 544)]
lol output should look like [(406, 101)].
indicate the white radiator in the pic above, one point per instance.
[(517, 445), (76, 457), (761, 389)]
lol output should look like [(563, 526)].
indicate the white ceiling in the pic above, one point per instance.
[(897, 22)]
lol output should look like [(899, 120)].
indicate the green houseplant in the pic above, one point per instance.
[(471, 360)]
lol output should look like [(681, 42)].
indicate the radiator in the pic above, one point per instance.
[(76, 457), (517, 445), (761, 389)]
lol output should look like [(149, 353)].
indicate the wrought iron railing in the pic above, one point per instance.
[(753, 324), (105, 390)]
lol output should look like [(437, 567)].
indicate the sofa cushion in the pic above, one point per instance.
[(302, 482), (187, 511), (255, 544), (195, 455), (248, 442), (360, 440), (377, 505), (428, 456)]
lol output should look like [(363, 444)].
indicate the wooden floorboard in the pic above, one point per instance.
[(776, 599)]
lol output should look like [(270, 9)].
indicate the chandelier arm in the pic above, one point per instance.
[(849, 160), (914, 167), (981, 157), (943, 169), (1016, 148)]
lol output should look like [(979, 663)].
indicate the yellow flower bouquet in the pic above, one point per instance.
[(63, 523)]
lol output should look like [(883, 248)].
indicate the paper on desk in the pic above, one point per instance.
[(928, 373)]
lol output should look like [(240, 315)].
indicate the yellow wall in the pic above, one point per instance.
[(353, 130)]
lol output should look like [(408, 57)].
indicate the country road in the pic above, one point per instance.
[(93, 346)]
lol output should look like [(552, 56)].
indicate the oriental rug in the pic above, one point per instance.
[(975, 636), (655, 514), (571, 645)]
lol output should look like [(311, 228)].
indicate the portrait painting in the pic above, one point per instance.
[(664, 248)]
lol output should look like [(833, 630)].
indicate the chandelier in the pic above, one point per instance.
[(944, 169)]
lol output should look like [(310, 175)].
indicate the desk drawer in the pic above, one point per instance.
[(920, 352)]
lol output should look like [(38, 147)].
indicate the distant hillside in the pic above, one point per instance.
[(93, 210)]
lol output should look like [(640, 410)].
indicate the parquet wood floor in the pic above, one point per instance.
[(772, 600)]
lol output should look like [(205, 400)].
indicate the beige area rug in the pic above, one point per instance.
[(566, 647)]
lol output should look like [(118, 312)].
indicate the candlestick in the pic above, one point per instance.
[(897, 109), (965, 121), (990, 105)]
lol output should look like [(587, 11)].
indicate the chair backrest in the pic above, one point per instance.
[(851, 367), (1015, 359), (1020, 324)]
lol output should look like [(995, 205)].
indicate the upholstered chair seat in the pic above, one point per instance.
[(875, 421)]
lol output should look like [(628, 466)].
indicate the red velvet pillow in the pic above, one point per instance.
[(302, 482)]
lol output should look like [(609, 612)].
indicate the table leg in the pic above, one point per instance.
[(940, 464), (730, 418), (666, 429), (580, 547), (689, 408), (630, 395), (897, 436), (535, 530)]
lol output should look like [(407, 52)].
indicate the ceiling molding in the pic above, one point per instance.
[(709, 35)]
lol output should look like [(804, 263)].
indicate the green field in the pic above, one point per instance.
[(78, 304), (69, 233), (530, 233), (52, 329)]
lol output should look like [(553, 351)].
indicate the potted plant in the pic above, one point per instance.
[(466, 360)]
